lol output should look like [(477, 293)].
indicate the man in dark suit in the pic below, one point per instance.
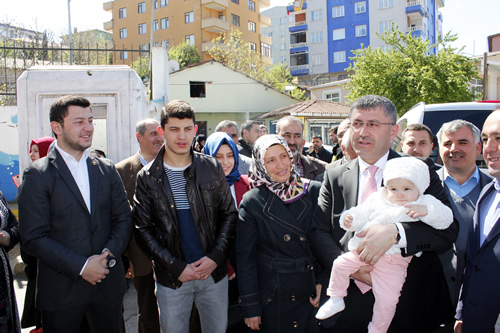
[(150, 142), (424, 303), (459, 145), (319, 151), (479, 306), (76, 220)]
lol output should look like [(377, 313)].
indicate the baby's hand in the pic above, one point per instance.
[(348, 221), (415, 210)]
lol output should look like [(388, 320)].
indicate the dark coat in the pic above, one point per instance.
[(157, 228), (480, 298), (323, 155), (312, 167), (275, 265), (424, 301), (244, 148), (57, 228)]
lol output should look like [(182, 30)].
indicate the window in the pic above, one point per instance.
[(123, 55), (265, 50), (316, 15), (189, 17), (337, 11), (163, 3), (236, 1), (270, 34), (292, 19), (123, 33), (317, 37), (197, 89), (339, 34), (235, 19), (333, 96), (190, 39), (164, 23), (360, 7), (155, 25), (283, 59), (282, 33), (253, 46), (283, 46), (142, 29), (317, 59), (123, 13), (251, 5), (282, 20), (383, 26), (142, 7), (165, 44), (361, 30), (251, 26), (145, 48), (156, 4), (385, 3), (385, 48), (339, 56)]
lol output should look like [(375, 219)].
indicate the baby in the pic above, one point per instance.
[(401, 200)]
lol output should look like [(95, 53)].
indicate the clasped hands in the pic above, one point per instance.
[(198, 270), (96, 269)]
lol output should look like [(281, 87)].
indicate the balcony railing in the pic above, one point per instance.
[(299, 70), (415, 3), (414, 28), (296, 24), (295, 45)]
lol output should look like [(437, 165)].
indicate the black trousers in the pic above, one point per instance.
[(149, 319)]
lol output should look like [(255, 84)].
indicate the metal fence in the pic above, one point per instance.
[(16, 57)]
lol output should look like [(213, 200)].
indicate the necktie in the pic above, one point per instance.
[(370, 185)]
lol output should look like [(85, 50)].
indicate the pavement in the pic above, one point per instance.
[(20, 282)]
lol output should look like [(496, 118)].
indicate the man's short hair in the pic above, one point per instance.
[(288, 119), (226, 124), (142, 124), (317, 137), (418, 127), (370, 102), (247, 125), (346, 142), (454, 125), (334, 129), (59, 109), (176, 109)]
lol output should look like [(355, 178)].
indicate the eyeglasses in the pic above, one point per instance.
[(371, 125)]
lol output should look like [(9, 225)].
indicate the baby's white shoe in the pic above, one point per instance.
[(332, 306)]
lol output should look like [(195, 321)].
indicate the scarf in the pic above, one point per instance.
[(212, 145)]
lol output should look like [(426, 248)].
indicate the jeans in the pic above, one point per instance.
[(175, 305)]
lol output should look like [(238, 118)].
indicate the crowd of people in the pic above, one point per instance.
[(358, 239)]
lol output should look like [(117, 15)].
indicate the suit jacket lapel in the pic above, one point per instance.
[(94, 172), (58, 162), (351, 179), (475, 231)]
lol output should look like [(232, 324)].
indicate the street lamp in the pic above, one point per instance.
[(70, 36)]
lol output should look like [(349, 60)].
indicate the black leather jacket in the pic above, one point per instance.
[(155, 216)]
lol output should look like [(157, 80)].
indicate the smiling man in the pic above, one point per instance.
[(75, 219), (185, 222), (417, 140), (291, 129)]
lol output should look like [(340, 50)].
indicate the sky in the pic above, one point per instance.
[(473, 21)]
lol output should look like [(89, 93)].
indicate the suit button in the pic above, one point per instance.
[(295, 324), (302, 239), (293, 298), (287, 238)]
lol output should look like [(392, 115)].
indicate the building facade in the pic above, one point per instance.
[(279, 32), (346, 26), (196, 21)]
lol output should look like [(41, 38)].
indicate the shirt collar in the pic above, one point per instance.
[(474, 177), (143, 161), (68, 157), (380, 163)]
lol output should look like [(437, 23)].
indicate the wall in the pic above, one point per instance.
[(9, 151)]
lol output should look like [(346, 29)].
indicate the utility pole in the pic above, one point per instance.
[(70, 36), (485, 76), (151, 47)]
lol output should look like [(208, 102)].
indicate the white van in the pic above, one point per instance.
[(435, 115)]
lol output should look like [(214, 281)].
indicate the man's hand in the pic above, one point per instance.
[(189, 274), (363, 274), (204, 267), (415, 210), (96, 270), (253, 323), (4, 238), (315, 301), (458, 326), (377, 240)]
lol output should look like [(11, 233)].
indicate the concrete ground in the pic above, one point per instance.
[(20, 282)]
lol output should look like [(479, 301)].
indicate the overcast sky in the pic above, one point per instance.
[(474, 21)]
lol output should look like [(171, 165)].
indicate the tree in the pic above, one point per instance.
[(185, 53), (141, 66), (279, 77), (408, 73), (234, 52)]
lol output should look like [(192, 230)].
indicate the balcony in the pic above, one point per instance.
[(107, 6), (108, 26), (264, 21), (266, 39), (217, 5), (416, 31), (415, 9), (299, 49), (297, 45), (266, 60), (205, 46), (299, 70), (214, 24), (297, 6), (298, 26)]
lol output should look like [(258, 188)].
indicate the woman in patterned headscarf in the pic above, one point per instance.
[(277, 272)]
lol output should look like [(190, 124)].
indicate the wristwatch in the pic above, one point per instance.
[(110, 261)]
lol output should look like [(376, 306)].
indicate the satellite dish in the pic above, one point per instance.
[(173, 66)]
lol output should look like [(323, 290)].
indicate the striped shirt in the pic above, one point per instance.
[(178, 186)]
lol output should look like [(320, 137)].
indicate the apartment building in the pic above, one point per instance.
[(196, 21), (279, 33), (346, 25)]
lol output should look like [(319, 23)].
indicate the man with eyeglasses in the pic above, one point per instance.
[(230, 127), (425, 302), (291, 129)]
